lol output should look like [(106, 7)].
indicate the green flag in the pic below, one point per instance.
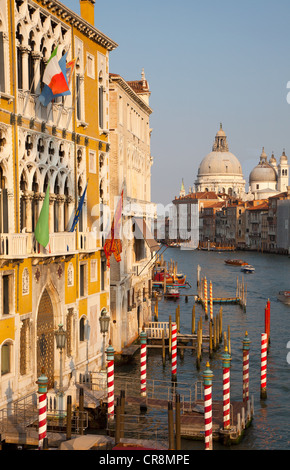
[(42, 227)]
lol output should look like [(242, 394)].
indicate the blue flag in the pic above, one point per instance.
[(78, 211)]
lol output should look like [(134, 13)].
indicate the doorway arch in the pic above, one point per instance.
[(45, 338)]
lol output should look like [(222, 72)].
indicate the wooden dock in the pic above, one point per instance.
[(192, 417)]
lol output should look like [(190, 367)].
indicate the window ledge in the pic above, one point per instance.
[(82, 124), (8, 97)]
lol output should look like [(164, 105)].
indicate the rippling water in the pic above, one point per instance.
[(271, 424)]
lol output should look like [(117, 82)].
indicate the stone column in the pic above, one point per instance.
[(24, 53), (51, 212)]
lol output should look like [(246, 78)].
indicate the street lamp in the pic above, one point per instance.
[(104, 324), (60, 337)]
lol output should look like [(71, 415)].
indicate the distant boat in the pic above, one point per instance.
[(236, 262), (172, 293), (190, 245), (248, 268), (284, 296)]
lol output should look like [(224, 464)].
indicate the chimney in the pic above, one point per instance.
[(88, 11)]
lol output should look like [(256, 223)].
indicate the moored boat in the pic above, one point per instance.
[(284, 296), (178, 279), (172, 292), (236, 262), (248, 268)]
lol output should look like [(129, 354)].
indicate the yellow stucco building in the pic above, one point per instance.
[(66, 145)]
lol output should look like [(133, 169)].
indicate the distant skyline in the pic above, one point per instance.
[(206, 63)]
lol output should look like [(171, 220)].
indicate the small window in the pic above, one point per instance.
[(90, 65), (6, 294), (92, 162), (82, 329), (82, 279), (5, 359)]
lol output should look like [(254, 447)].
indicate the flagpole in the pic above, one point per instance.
[(28, 92), (76, 98), (63, 104)]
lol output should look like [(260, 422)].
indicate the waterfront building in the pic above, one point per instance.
[(130, 172), (64, 145), (267, 178), (254, 223), (220, 171), (277, 241), (185, 211)]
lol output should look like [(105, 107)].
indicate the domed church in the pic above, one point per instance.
[(268, 178), (220, 171)]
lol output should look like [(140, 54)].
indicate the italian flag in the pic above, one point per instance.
[(53, 76)]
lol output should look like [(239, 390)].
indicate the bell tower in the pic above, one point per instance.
[(283, 173), (221, 143)]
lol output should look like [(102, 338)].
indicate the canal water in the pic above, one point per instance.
[(270, 428)]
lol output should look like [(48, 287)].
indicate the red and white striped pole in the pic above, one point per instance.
[(226, 361), (42, 409), (205, 298), (174, 352), (207, 380), (110, 377), (210, 301), (264, 344), (143, 359), (246, 348)]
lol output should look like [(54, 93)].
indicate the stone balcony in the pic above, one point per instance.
[(23, 245)]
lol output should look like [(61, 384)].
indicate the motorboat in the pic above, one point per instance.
[(236, 262), (284, 296), (172, 292), (248, 268)]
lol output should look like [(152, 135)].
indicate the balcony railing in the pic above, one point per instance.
[(22, 245), (13, 245)]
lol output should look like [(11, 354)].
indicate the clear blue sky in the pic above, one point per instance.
[(206, 62)]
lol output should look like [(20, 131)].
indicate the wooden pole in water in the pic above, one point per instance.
[(207, 381), (246, 348), (214, 333), (264, 342), (170, 427), (118, 421), (267, 321), (193, 320), (163, 348), (68, 417), (221, 324), (229, 340), (177, 422), (122, 412), (210, 339), (198, 269)]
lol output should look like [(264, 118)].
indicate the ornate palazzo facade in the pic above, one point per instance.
[(66, 145)]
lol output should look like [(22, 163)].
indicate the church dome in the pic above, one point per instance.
[(263, 172), (220, 171), (220, 161)]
